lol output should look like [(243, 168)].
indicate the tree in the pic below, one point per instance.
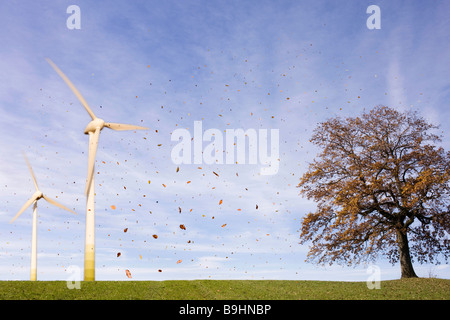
[(382, 187)]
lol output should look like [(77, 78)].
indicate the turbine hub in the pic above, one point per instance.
[(93, 125), (38, 194)]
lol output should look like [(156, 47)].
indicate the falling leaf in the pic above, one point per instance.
[(149, 181), (155, 236), (118, 254), (256, 206), (125, 230), (128, 273), (113, 207), (140, 257), (179, 209), (224, 225), (188, 182), (215, 173), (178, 169), (182, 227), (164, 185), (220, 202), (159, 270), (179, 261)]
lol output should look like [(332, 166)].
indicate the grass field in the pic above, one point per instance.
[(407, 289)]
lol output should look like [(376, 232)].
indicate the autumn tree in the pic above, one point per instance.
[(381, 185)]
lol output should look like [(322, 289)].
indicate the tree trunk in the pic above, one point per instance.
[(405, 258)]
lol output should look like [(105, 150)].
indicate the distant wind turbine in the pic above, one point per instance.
[(33, 201), (93, 130)]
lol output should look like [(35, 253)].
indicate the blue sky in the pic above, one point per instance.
[(283, 65)]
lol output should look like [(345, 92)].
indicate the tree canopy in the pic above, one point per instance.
[(381, 184)]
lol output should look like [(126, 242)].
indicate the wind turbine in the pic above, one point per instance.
[(33, 200), (93, 130)]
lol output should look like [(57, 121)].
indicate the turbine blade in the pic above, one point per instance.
[(122, 127), (72, 87), (93, 144), (58, 204), (31, 171), (25, 206)]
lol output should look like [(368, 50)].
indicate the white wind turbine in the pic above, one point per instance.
[(33, 200), (93, 130)]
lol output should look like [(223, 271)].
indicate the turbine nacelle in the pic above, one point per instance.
[(95, 124), (38, 195)]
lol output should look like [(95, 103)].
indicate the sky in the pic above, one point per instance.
[(284, 65)]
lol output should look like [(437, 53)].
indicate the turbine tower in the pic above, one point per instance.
[(33, 201), (93, 130)]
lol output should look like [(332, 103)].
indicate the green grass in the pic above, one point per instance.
[(406, 289)]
